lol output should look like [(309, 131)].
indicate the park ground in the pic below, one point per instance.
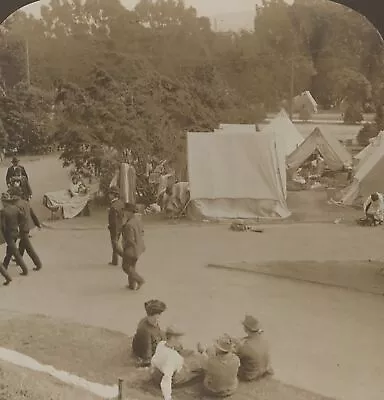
[(323, 314)]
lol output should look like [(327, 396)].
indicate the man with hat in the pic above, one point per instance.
[(253, 352), (12, 217), (222, 369), (169, 368), (133, 246), (16, 175), (24, 228), (148, 333), (115, 221)]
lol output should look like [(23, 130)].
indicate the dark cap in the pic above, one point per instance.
[(154, 307)]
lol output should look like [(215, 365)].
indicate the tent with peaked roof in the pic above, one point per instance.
[(288, 137), (335, 155), (369, 175), (368, 149), (238, 175)]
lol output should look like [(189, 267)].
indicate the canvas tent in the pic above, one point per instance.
[(236, 176), (369, 175), (335, 155), (288, 137), (366, 152), (306, 101)]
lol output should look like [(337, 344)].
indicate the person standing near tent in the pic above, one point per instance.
[(115, 221), (133, 246), (374, 208)]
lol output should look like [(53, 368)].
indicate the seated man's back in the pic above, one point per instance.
[(254, 358), (221, 370)]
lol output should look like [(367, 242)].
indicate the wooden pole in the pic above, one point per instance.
[(292, 90), (120, 386)]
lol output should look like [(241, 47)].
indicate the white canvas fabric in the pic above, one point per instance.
[(335, 155), (368, 177), (367, 151), (236, 176), (288, 137)]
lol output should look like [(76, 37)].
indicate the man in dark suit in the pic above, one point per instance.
[(115, 221), (17, 176), (12, 218), (133, 246), (24, 229)]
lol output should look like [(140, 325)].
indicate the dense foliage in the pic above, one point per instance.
[(104, 77)]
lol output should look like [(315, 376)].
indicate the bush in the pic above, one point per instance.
[(368, 131), (353, 114)]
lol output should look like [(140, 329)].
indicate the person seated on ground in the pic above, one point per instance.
[(170, 369), (148, 334), (222, 369), (77, 186), (374, 208), (253, 352)]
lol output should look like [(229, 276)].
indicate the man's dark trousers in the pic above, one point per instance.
[(115, 237), (26, 245), (12, 250)]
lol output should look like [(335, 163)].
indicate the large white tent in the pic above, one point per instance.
[(287, 136), (236, 176), (335, 155), (369, 175)]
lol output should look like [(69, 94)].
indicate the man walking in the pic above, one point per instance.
[(24, 229), (12, 217), (115, 221), (133, 246)]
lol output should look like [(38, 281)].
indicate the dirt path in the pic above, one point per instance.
[(316, 333)]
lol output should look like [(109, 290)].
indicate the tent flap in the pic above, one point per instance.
[(335, 155)]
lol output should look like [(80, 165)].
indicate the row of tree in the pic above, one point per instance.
[(93, 72)]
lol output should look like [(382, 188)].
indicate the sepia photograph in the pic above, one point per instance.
[(192, 199)]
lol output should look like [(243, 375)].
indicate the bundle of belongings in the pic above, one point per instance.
[(174, 199), (71, 202), (240, 226)]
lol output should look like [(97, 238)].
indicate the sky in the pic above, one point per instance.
[(204, 7)]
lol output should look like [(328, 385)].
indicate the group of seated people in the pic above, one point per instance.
[(220, 367)]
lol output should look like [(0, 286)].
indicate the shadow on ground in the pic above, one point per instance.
[(103, 356), (361, 276)]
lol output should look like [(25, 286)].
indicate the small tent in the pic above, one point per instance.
[(366, 152), (236, 176), (305, 101), (369, 175), (335, 155)]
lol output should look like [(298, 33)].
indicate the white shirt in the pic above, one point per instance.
[(168, 361)]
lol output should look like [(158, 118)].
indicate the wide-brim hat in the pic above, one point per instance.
[(154, 307), (251, 323), (114, 190), (172, 331), (224, 344), (14, 160)]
